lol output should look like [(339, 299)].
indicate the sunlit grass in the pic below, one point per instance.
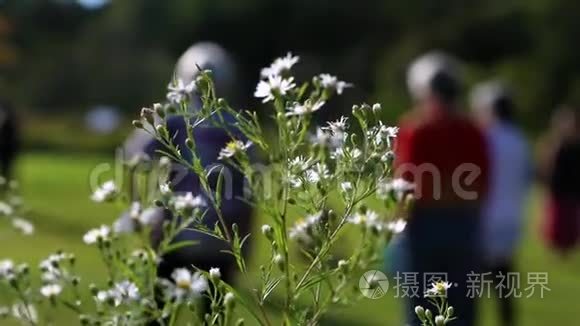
[(56, 189)]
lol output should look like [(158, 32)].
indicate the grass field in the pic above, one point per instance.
[(56, 189)]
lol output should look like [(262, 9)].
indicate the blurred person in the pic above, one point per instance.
[(9, 140), (445, 156), (208, 253), (560, 159), (510, 180)]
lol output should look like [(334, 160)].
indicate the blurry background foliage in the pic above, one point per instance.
[(60, 57)]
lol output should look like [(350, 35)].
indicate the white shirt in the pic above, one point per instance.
[(509, 183)]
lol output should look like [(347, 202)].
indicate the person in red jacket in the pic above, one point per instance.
[(445, 155)]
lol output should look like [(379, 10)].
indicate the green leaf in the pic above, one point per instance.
[(179, 245)]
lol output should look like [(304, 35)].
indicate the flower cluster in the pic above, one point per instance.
[(124, 292), (437, 296), (323, 173), (11, 207), (106, 192)]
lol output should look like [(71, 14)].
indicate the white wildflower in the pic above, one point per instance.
[(135, 210), (23, 225), (338, 126), (349, 153), (346, 187), (385, 135), (121, 293), (103, 296), (398, 187), (105, 192), (321, 137), (368, 218), (438, 289), (165, 189), (233, 148), (214, 273), (331, 82), (51, 290), (274, 86), (6, 268), (150, 216), (129, 221), (337, 130), (307, 107), (95, 235), (388, 156), (317, 173), (124, 224), (188, 284), (397, 226), (179, 91), (6, 209), (280, 65), (188, 202), (303, 229), (299, 164)]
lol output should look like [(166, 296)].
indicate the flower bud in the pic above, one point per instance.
[(214, 274), (343, 265), (164, 162), (189, 143), (240, 322), (420, 312), (159, 110), (450, 311), (439, 320), (137, 124), (147, 115), (428, 314), (93, 288), (377, 107), (162, 131), (280, 262), (201, 84), (84, 319), (229, 301), (222, 102), (388, 157), (268, 232)]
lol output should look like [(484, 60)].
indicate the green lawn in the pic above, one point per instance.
[(56, 189)]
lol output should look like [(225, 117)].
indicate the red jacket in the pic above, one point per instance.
[(445, 155)]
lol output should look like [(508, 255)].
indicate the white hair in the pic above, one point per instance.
[(208, 55), (424, 69), (485, 95)]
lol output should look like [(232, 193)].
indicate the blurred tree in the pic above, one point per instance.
[(121, 53)]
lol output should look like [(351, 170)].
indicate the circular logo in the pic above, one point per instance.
[(373, 284)]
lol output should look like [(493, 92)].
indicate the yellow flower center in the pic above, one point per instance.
[(183, 284)]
